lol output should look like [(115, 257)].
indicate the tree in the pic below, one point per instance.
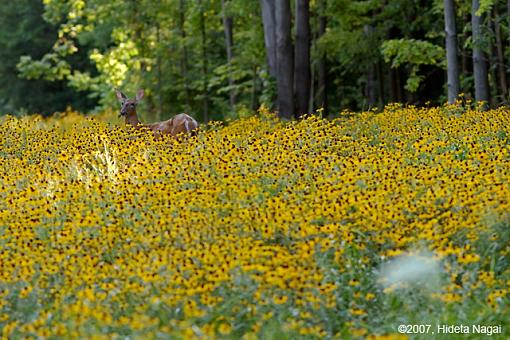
[(189, 56), (285, 65), (229, 46), (23, 31), (479, 59), (302, 57), (322, 86), (269, 22), (500, 56), (370, 88), (184, 57), (205, 62), (451, 51)]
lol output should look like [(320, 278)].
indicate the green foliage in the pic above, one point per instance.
[(81, 49), (23, 31), (413, 53), (135, 44), (485, 7), (50, 67)]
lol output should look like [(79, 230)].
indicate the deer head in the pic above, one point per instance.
[(127, 105)]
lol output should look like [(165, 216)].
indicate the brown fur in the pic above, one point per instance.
[(179, 124)]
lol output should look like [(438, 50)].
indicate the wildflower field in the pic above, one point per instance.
[(257, 228)]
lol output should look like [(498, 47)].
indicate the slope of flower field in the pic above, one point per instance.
[(258, 229)]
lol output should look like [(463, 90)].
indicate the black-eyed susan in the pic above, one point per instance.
[(250, 227)]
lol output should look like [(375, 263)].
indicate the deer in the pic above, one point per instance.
[(179, 124)]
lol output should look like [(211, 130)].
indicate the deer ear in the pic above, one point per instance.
[(139, 95), (120, 96)]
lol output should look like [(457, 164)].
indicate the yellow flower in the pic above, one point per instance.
[(358, 332), (225, 329), (468, 258), (357, 311), (280, 299), (369, 296), (114, 227)]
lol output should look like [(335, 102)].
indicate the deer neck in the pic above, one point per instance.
[(132, 119)]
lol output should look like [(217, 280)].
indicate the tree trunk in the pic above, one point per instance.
[(479, 61), (500, 57), (311, 96), (322, 80), (254, 103), (508, 17), (269, 22), (285, 65), (184, 61), (229, 46), (205, 91), (302, 57), (380, 80), (508, 21), (451, 51), (159, 75), (395, 85), (371, 86), (400, 87), (466, 56), (508, 30)]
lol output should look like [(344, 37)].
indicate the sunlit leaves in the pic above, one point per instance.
[(413, 53)]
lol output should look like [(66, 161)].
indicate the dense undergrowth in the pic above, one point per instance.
[(258, 229)]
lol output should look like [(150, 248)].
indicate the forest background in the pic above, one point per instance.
[(221, 59)]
